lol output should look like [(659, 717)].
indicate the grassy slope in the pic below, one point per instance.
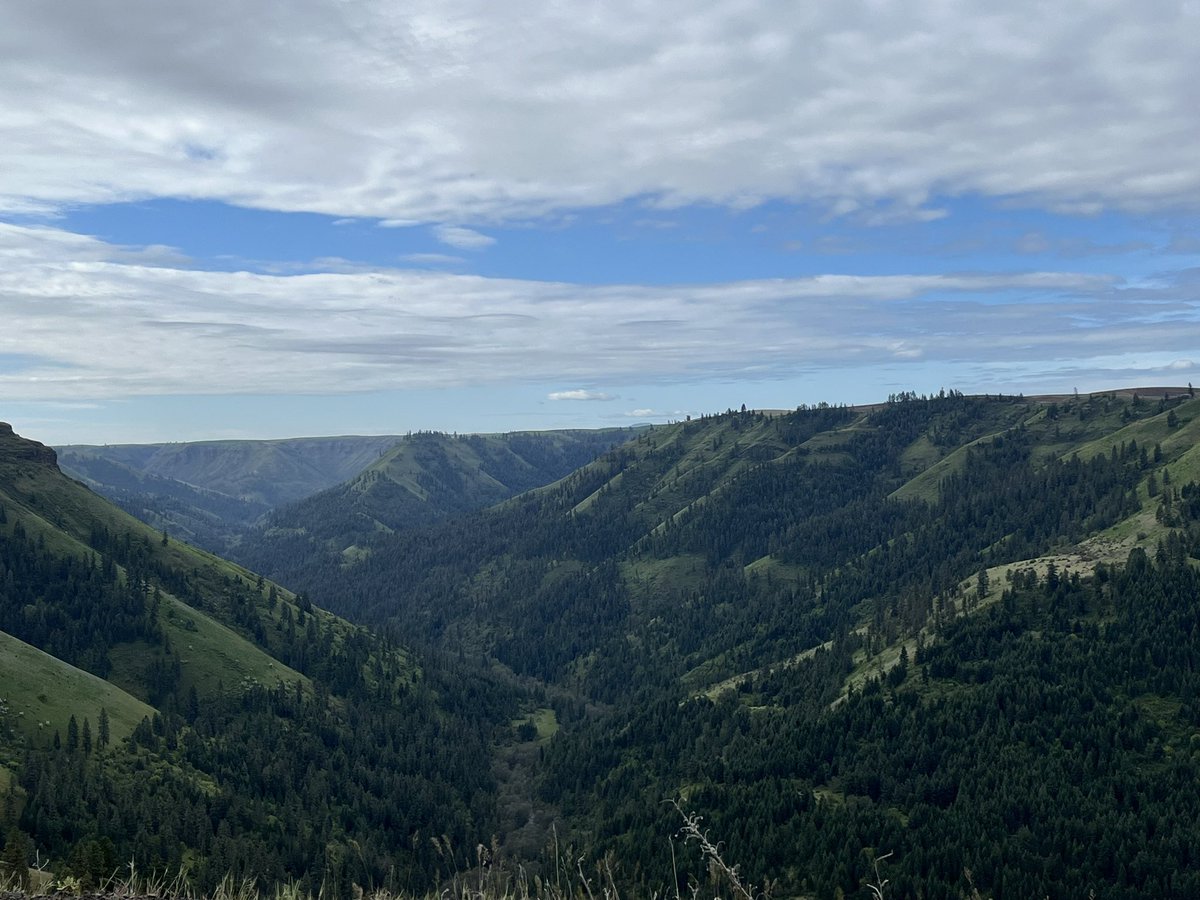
[(1059, 436), (63, 512), (44, 692), (403, 466), (1180, 446), (212, 656)]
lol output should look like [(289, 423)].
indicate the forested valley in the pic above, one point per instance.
[(956, 633)]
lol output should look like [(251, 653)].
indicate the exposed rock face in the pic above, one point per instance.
[(15, 447)]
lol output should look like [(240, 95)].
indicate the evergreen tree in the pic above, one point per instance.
[(14, 861)]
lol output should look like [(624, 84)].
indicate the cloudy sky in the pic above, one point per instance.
[(253, 219)]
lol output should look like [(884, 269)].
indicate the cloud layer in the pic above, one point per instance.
[(470, 111), (84, 320), (579, 394)]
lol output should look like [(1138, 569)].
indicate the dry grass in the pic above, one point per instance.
[(491, 878)]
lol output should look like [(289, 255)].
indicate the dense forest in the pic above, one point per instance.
[(1049, 745), (714, 553), (342, 767), (327, 783), (955, 632)]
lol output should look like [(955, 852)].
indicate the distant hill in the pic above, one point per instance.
[(213, 493), (264, 472), (152, 695), (423, 478), (768, 506), (208, 492)]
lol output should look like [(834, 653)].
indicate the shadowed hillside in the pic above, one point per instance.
[(165, 706)]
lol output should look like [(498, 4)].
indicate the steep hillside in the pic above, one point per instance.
[(425, 477), (126, 652), (42, 693), (212, 493), (205, 518), (715, 532), (715, 605)]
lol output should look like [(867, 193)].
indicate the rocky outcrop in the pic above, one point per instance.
[(15, 447)]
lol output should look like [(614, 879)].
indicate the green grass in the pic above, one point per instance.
[(920, 455), (43, 689), (212, 652), (221, 655), (1186, 467), (647, 577), (925, 486), (771, 567), (1150, 431), (63, 513), (880, 664), (544, 720)]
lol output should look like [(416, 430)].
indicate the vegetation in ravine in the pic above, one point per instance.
[(940, 646), (786, 550)]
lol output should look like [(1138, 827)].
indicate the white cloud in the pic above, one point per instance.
[(440, 111), (579, 395), (91, 321), (463, 238), (432, 259), (649, 413)]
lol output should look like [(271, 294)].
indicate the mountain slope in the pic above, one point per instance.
[(767, 508), (42, 693), (961, 629), (425, 477), (734, 611), (250, 707)]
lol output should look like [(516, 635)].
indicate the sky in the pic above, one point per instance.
[(242, 219)]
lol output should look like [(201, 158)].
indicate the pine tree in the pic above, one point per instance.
[(102, 734), (14, 861)]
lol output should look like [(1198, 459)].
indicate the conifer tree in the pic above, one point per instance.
[(14, 861)]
